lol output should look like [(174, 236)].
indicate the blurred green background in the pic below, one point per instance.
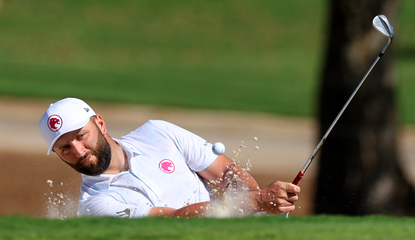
[(260, 56)]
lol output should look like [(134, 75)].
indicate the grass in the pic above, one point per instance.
[(245, 55), (174, 86), (218, 54), (271, 227)]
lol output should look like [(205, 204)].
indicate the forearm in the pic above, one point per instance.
[(226, 174), (239, 205), (194, 210), (237, 177), (278, 197)]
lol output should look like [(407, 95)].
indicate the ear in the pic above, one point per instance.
[(101, 124)]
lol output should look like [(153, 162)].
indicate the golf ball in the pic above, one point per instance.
[(218, 148)]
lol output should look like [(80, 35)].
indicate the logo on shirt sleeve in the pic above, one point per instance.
[(167, 166)]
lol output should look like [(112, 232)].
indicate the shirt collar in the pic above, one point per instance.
[(103, 181)]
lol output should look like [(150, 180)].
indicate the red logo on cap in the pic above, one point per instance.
[(55, 123)]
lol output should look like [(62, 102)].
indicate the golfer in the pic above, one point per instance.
[(159, 169)]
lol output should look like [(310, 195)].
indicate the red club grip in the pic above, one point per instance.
[(298, 178)]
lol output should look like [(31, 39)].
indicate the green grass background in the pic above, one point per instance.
[(261, 56), (271, 227)]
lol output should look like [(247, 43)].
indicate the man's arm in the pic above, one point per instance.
[(278, 197), (224, 173)]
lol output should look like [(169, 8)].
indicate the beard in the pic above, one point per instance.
[(103, 154)]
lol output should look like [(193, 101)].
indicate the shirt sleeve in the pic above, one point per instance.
[(113, 204), (196, 150)]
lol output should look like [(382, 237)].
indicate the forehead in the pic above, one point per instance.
[(67, 137)]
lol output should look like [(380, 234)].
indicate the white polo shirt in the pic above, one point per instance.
[(163, 159)]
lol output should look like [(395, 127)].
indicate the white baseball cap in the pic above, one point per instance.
[(63, 116)]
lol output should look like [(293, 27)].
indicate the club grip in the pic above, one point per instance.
[(298, 178)]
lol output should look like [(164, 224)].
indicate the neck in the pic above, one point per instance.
[(119, 161)]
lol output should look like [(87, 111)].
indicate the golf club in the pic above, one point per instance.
[(382, 24)]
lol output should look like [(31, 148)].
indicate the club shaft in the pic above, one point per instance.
[(300, 175), (323, 139), (387, 30), (320, 144)]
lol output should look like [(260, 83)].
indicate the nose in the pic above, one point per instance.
[(79, 149)]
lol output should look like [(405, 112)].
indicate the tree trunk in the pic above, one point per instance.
[(359, 169)]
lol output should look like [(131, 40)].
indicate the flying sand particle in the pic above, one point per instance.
[(50, 182)]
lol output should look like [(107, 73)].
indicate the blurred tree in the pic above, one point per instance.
[(359, 168)]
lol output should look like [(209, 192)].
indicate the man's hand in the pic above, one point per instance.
[(278, 197)]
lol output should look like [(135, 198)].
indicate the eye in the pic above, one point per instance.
[(64, 148), (81, 135)]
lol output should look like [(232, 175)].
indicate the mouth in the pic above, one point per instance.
[(87, 159)]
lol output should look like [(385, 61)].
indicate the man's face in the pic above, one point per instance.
[(85, 150)]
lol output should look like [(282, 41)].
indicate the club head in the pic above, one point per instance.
[(382, 24)]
